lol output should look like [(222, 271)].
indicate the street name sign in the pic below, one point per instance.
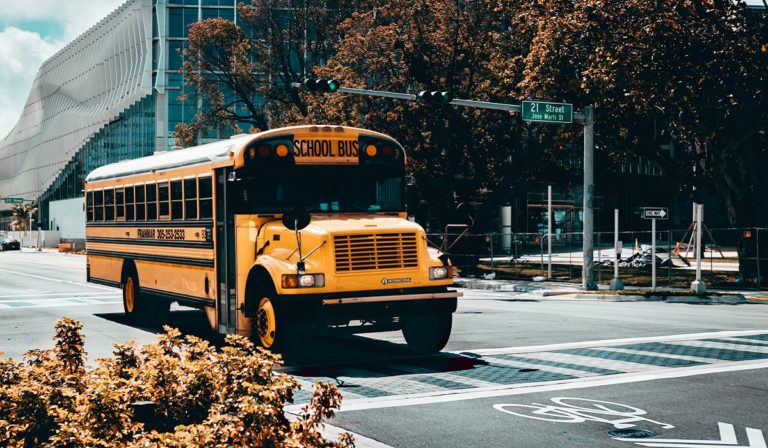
[(14, 200), (546, 112), (654, 213)]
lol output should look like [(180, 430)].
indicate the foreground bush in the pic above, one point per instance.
[(202, 396)]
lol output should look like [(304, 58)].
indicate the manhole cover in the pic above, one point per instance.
[(634, 433)]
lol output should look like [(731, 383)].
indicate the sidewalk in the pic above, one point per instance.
[(630, 293)]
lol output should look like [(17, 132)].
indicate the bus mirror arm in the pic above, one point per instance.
[(300, 263)]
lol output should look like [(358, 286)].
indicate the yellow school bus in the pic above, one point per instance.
[(273, 234)]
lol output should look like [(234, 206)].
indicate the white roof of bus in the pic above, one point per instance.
[(182, 157), (197, 154)]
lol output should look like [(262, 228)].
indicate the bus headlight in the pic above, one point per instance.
[(439, 272), (303, 281)]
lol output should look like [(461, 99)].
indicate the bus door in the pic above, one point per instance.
[(225, 254)]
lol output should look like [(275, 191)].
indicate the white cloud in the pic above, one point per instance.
[(75, 16), (21, 53)]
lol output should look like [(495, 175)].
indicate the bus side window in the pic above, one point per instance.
[(190, 198), (141, 210), (109, 204), (129, 208), (98, 205), (120, 204), (151, 201), (163, 199), (206, 197), (89, 207), (177, 201)]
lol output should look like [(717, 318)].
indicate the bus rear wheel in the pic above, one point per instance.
[(138, 307), (427, 333)]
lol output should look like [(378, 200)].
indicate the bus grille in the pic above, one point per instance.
[(375, 251)]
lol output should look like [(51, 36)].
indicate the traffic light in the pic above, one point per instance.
[(434, 97), (320, 85)]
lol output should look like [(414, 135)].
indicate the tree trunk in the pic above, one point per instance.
[(741, 180)]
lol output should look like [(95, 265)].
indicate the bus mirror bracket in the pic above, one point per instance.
[(297, 219)]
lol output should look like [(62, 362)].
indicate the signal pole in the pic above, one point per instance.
[(559, 113)]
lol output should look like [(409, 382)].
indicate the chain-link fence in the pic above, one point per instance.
[(731, 258)]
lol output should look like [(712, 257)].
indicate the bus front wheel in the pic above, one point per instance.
[(268, 329), (427, 333)]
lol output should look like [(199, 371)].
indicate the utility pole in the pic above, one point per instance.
[(587, 272)]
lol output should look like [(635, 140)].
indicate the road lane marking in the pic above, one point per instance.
[(728, 438), (57, 280), (610, 342), (622, 366), (665, 355), (43, 294), (59, 302), (725, 346), (448, 395), (548, 368)]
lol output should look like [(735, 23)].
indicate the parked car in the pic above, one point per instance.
[(9, 243)]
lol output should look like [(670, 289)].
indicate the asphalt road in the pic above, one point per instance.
[(519, 370)]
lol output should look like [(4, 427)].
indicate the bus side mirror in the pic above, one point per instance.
[(296, 219)]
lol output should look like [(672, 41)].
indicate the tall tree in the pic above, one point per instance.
[(699, 66), (455, 154), (242, 73)]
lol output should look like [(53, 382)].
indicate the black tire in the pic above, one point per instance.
[(427, 333), (270, 330), (139, 307)]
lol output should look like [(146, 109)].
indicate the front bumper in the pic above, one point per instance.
[(339, 308)]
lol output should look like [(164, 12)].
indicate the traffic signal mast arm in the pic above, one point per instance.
[(428, 97)]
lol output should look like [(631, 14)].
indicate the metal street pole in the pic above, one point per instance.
[(698, 286), (616, 283), (587, 274), (653, 254), (585, 117), (549, 232)]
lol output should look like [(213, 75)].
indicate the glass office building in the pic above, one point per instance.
[(111, 94)]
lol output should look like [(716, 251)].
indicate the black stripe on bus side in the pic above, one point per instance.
[(180, 298), (173, 223), (145, 242), (158, 258), (101, 281)]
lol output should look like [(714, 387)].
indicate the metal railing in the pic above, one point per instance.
[(731, 257)]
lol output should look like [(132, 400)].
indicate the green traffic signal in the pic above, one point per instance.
[(434, 97), (320, 85)]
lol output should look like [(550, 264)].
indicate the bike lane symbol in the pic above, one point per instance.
[(580, 410)]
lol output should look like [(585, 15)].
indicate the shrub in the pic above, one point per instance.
[(201, 396)]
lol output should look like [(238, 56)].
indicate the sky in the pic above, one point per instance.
[(31, 31)]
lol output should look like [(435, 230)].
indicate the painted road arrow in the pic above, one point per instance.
[(728, 438)]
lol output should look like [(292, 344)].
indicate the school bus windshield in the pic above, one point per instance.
[(347, 189)]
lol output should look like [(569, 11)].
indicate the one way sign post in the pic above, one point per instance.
[(654, 213)]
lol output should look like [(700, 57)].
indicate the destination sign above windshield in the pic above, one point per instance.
[(318, 150)]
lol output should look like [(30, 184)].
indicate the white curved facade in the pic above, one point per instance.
[(78, 91)]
